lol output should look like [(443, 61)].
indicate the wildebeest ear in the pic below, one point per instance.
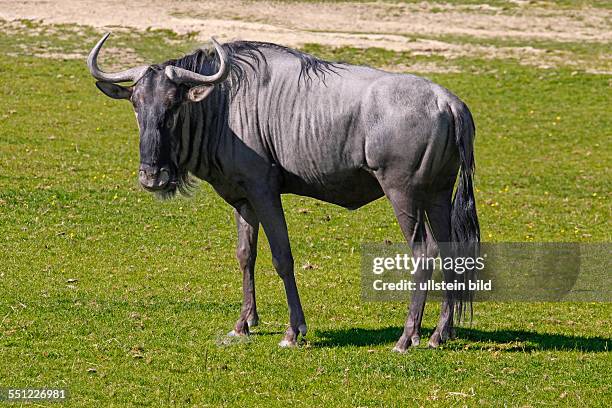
[(114, 91), (198, 93)]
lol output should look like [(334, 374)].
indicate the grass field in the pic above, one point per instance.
[(125, 299)]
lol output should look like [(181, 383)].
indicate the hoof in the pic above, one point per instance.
[(235, 333), (397, 349), (240, 329), (403, 343), (287, 343), (291, 336), (435, 340), (253, 322)]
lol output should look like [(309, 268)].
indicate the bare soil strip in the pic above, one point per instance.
[(377, 24)]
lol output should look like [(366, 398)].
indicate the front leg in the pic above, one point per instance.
[(248, 227), (269, 210)]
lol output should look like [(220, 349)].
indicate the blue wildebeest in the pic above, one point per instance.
[(257, 120)]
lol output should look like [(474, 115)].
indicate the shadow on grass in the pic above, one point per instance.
[(502, 340)]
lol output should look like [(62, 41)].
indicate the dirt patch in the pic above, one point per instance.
[(52, 55), (120, 57), (412, 19), (422, 67), (368, 24), (116, 57), (391, 26), (118, 60)]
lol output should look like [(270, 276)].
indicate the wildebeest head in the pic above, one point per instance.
[(157, 94)]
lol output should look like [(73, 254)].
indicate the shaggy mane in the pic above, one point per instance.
[(248, 55)]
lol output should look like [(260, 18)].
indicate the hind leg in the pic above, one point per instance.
[(439, 217), (410, 214)]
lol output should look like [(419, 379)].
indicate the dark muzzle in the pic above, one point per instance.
[(153, 178)]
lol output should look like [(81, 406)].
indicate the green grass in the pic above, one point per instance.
[(157, 286)]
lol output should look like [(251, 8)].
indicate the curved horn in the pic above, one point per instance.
[(132, 74), (181, 75)]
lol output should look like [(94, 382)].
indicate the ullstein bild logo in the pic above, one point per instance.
[(523, 271), (409, 264), (431, 284)]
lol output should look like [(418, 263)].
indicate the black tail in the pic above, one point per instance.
[(465, 230)]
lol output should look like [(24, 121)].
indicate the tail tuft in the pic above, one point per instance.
[(465, 229)]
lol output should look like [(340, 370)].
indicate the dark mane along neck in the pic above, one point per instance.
[(249, 56)]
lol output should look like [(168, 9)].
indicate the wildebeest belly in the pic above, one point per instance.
[(351, 188)]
